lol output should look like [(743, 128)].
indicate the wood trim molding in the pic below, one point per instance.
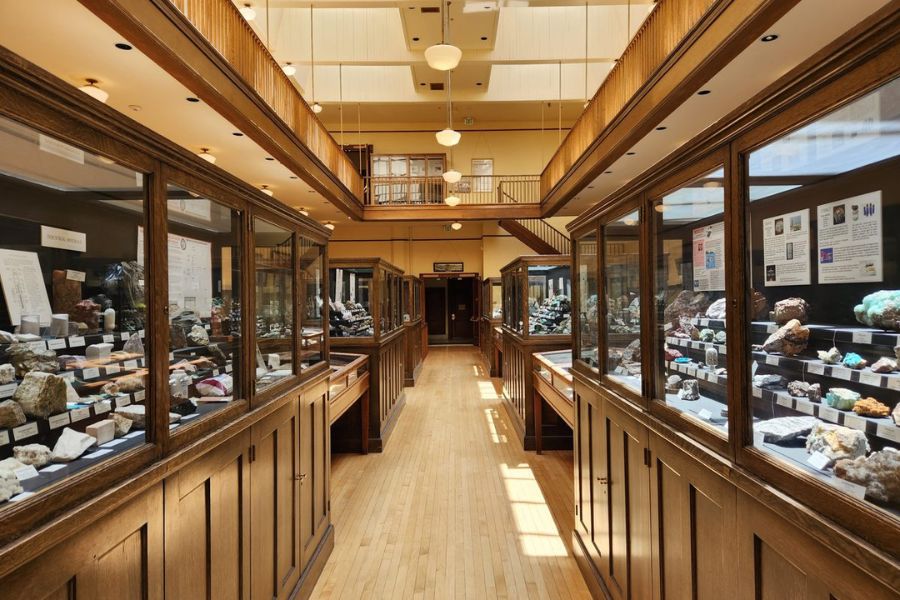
[(440, 212)]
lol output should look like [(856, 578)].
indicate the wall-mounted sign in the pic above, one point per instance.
[(53, 237), (448, 267)]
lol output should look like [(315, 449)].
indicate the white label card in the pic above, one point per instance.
[(815, 369), (840, 373), (870, 378), (28, 472), (109, 339), (131, 364), (818, 461), (57, 344), (757, 392), (112, 369), (113, 443), (123, 400), (8, 390), (888, 431), (25, 431), (758, 438), (704, 414), (4, 438), (57, 421), (783, 400), (53, 468), (805, 407), (855, 422), (139, 395), (894, 383), (76, 341), (98, 453), (53, 237), (771, 360), (79, 414), (862, 337), (771, 328), (829, 414), (75, 275), (103, 406), (91, 373)]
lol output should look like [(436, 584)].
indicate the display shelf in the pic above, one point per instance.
[(695, 345), (704, 409), (80, 341), (814, 366)]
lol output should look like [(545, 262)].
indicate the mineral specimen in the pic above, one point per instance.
[(690, 390), (7, 373), (133, 346), (716, 310), (760, 306), (880, 309), (720, 337), (673, 382), (879, 473), (836, 442), (111, 388), (177, 337), (688, 328), (137, 414), (895, 414), (882, 365), (9, 485), (36, 455), (870, 407), (852, 360), (841, 398), (123, 424), (87, 312), (24, 359), (103, 431), (790, 339), (98, 351), (66, 292), (897, 351), (6, 337), (707, 335), (41, 394), (130, 384), (11, 414), (785, 429), (768, 380), (686, 304), (672, 354), (830, 357), (814, 393), (11, 464), (791, 308), (198, 336), (217, 355), (798, 388), (71, 444), (711, 357), (183, 408)]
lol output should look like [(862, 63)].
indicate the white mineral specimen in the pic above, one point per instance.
[(9, 485), (879, 473), (103, 431), (36, 455), (71, 444), (785, 429), (836, 442), (7, 373), (41, 394)]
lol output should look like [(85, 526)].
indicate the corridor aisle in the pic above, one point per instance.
[(454, 508)]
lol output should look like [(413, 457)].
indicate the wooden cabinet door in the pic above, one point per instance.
[(315, 463), (207, 525), (622, 502), (583, 467), (275, 504)]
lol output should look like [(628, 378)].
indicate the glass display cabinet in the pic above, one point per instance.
[(348, 399), (274, 262), (313, 309), (589, 307), (414, 326), (365, 317), (536, 318), (552, 388), (491, 317)]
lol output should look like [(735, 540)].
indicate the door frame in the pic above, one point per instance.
[(476, 297)]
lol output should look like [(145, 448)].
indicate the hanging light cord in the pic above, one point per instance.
[(586, 52), (450, 99), (312, 52)]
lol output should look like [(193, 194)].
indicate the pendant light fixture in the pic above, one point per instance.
[(443, 56), (451, 175), (456, 226), (448, 137), (205, 155), (91, 89), (452, 200), (265, 190), (289, 69), (328, 225), (247, 12), (316, 107)]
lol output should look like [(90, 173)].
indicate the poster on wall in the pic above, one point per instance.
[(23, 286), (786, 249), (850, 243), (709, 258), (190, 274)]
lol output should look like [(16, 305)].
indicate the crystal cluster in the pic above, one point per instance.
[(350, 319), (553, 317)]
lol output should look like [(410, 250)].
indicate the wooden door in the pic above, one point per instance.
[(583, 467), (207, 525), (461, 309), (315, 466), (275, 503), (436, 311)]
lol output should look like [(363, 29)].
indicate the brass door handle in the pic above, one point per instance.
[(603, 480)]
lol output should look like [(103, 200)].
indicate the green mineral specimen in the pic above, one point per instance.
[(880, 309)]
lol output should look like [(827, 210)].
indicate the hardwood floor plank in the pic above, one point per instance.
[(454, 508)]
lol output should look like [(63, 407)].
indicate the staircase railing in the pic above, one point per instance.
[(471, 190), (548, 233)]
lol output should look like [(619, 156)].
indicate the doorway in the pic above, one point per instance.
[(451, 305)]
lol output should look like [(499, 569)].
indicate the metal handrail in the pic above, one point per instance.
[(394, 190), (549, 234)]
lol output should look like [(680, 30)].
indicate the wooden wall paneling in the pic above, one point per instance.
[(119, 558), (275, 503), (315, 466), (207, 525)]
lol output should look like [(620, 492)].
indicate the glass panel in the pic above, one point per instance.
[(72, 311), (496, 305), (350, 314), (825, 253), (587, 299), (549, 304), (312, 265), (435, 167), (690, 293), (622, 283), (398, 165), (204, 304), (407, 300), (273, 247)]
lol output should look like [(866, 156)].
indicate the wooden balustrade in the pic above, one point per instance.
[(471, 190)]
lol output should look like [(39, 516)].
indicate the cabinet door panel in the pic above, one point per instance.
[(307, 529), (583, 464), (315, 464)]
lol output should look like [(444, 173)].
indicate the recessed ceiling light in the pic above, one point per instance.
[(456, 226), (484, 38), (415, 39), (292, 177), (205, 155), (192, 99), (661, 128), (135, 107), (703, 92), (629, 154), (607, 172), (269, 158), (423, 83), (123, 46), (769, 38), (477, 83), (237, 134)]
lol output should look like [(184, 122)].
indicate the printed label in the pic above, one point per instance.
[(888, 431), (855, 422), (829, 414), (104, 406), (60, 420), (53, 237), (818, 461), (862, 337), (91, 373), (783, 400), (704, 414), (815, 368), (97, 454), (123, 401), (76, 341), (79, 414), (109, 339), (139, 395), (52, 468), (112, 369), (57, 344), (28, 472), (131, 364), (8, 390), (771, 360), (804, 407), (24, 431), (37, 346), (870, 379), (4, 438), (75, 275)]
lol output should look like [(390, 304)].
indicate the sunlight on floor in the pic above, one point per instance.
[(491, 416), (538, 534), (487, 391)]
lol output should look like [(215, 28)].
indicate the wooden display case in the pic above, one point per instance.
[(348, 396), (378, 288), (553, 387), (530, 285), (491, 317), (413, 326)]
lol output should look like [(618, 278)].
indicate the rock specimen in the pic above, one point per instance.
[(41, 394), (134, 345), (9, 485), (720, 337), (688, 328), (123, 424), (690, 390), (880, 309), (798, 389), (111, 388), (71, 394), (24, 359), (882, 365), (36, 455), (686, 304), (768, 381), (98, 351), (879, 473), (673, 382), (71, 444), (198, 336), (895, 414), (11, 414), (87, 312), (852, 360), (707, 335), (870, 407), (785, 429), (103, 431), (632, 352), (711, 357), (830, 357), (716, 310), (130, 384), (7, 338), (836, 442), (759, 305), (7, 373), (217, 355), (841, 398), (672, 354), (11, 464), (791, 308), (66, 292), (183, 407), (814, 393), (790, 340), (177, 338), (135, 413)]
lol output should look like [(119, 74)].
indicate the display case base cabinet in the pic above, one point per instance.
[(652, 521), (414, 355), (518, 395), (490, 352)]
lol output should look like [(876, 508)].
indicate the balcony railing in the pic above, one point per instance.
[(471, 190)]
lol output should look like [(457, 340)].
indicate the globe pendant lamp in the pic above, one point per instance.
[(94, 92), (448, 137), (452, 176), (451, 200), (443, 56)]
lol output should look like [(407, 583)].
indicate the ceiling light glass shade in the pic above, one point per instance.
[(447, 137), (289, 70), (452, 176), (443, 57), (317, 108), (267, 191), (456, 226), (247, 12), (452, 201), (94, 92), (205, 155), (329, 226), (303, 212)]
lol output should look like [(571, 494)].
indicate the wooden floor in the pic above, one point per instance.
[(454, 508)]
